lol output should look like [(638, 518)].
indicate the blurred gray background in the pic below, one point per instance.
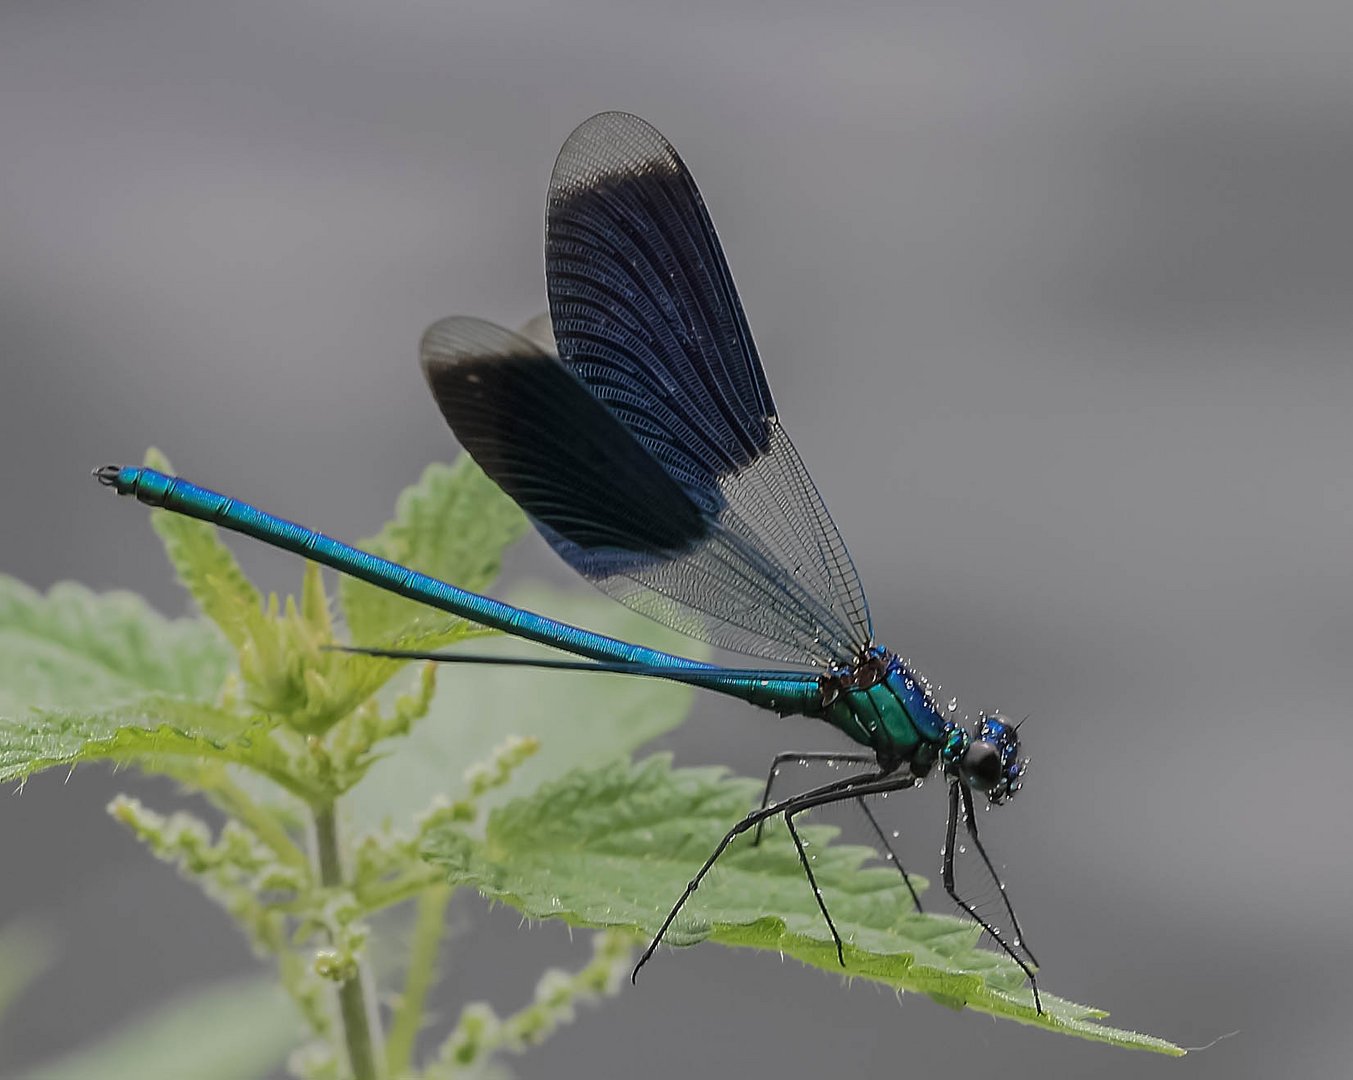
[(1055, 300)]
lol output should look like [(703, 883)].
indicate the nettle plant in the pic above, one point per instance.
[(350, 786)]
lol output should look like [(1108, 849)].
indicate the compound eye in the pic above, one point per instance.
[(981, 766), (996, 727)]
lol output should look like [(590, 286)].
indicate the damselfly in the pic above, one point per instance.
[(649, 454)]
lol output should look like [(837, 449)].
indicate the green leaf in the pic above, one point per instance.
[(615, 846), (453, 524), (152, 732), (75, 649), (579, 718), (207, 569), (231, 1031)]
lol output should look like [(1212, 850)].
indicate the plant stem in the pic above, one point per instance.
[(396, 890), (423, 946), (359, 1027)]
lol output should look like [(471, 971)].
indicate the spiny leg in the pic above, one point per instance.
[(806, 755), (950, 846), (892, 855), (877, 783), (970, 819), (827, 755), (817, 891), (793, 807), (829, 791)]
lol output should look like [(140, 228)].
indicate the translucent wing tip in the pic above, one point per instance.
[(610, 145), (458, 338)]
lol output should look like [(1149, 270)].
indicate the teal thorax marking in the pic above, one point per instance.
[(882, 703)]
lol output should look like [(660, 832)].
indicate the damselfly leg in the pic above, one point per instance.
[(852, 787), (804, 757), (831, 756), (960, 803)]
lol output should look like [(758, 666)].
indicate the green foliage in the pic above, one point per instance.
[(577, 720), (337, 775), (208, 570), (453, 525), (481, 1032), (613, 847), (152, 732), (78, 651)]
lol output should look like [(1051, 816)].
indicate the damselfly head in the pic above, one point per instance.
[(992, 763)]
